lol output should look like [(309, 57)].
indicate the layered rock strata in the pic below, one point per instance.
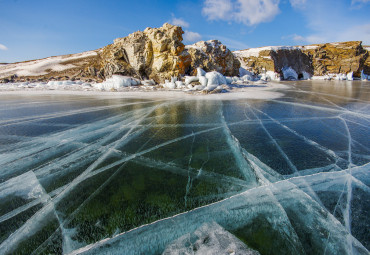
[(316, 60)]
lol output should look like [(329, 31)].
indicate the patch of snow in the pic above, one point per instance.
[(229, 80), (309, 47), (255, 52), (148, 82), (198, 87), (340, 77), (247, 77), (270, 76), (350, 76), (179, 84), (243, 71), (325, 77), (42, 66), (215, 78), (187, 47), (190, 79), (203, 80), (116, 82), (210, 87), (200, 72)]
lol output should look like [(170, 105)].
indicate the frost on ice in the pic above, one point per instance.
[(111, 175)]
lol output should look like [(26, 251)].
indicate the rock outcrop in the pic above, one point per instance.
[(317, 59), (337, 58), (155, 53), (66, 67), (212, 56), (159, 54)]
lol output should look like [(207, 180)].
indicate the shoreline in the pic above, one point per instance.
[(251, 91)]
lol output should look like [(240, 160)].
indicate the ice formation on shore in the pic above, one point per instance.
[(117, 82), (365, 77)]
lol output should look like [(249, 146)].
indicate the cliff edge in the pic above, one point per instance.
[(311, 60)]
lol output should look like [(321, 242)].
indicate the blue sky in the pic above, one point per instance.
[(31, 29)]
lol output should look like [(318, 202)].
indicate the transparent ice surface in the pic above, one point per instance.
[(100, 175)]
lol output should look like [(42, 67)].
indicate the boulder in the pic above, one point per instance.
[(212, 56)]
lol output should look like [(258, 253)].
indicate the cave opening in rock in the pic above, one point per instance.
[(300, 76)]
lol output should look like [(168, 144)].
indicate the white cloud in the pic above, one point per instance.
[(335, 26), (294, 37), (298, 3), (248, 12), (179, 22), (3, 47), (253, 12), (190, 36), (217, 9), (298, 38), (352, 33)]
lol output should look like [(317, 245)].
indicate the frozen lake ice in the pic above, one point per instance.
[(110, 175)]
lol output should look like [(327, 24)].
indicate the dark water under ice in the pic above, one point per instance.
[(285, 176)]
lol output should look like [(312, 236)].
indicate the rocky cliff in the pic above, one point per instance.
[(159, 54), (315, 60), (155, 53)]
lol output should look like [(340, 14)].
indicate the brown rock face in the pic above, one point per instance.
[(318, 59), (156, 53), (367, 62), (212, 56), (337, 58), (159, 54), (275, 59)]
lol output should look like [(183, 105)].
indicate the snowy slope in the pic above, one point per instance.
[(46, 65)]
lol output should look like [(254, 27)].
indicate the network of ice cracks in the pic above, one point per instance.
[(320, 210)]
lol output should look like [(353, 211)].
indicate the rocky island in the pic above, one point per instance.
[(157, 58)]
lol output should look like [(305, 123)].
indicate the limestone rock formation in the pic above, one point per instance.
[(159, 54), (337, 58), (212, 56), (317, 59), (156, 53), (275, 59)]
